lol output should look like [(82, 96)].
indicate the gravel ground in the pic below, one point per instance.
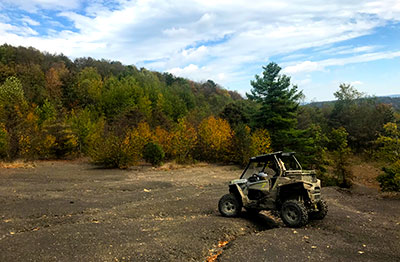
[(72, 211)]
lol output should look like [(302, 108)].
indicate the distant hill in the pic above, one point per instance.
[(393, 100), (393, 96)]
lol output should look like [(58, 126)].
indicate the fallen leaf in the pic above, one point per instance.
[(295, 232), (146, 190), (313, 247), (222, 243), (360, 252)]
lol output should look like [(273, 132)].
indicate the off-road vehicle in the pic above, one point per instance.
[(276, 181)]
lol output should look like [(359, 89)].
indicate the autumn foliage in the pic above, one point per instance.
[(52, 107), (215, 139)]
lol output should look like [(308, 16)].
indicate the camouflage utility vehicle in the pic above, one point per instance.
[(276, 181)]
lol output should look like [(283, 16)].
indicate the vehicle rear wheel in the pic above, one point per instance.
[(322, 210), (229, 206), (294, 213)]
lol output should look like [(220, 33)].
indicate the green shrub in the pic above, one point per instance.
[(341, 153), (3, 142), (390, 179), (111, 152), (328, 179), (153, 153)]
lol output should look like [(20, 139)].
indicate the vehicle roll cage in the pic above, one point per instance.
[(276, 157)]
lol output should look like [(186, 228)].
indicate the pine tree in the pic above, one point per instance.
[(279, 102)]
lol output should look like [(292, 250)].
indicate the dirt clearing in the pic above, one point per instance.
[(71, 211)]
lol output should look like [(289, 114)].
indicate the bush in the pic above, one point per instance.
[(390, 179), (328, 180), (153, 153), (120, 151), (111, 152), (3, 142)]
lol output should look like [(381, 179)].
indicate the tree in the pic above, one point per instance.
[(362, 117), (279, 102), (242, 144), (239, 112), (13, 107), (88, 87), (215, 138), (341, 152), (54, 82), (389, 143), (260, 142)]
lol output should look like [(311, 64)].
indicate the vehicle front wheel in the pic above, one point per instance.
[(322, 210), (229, 206), (294, 213)]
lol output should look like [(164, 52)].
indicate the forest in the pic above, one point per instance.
[(118, 116)]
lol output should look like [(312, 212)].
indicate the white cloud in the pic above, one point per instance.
[(29, 21), (34, 5), (356, 83), (303, 67), (17, 32), (310, 66), (203, 39)]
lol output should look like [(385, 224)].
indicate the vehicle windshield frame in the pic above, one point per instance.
[(285, 157)]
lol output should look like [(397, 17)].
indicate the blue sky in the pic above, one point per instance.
[(320, 44)]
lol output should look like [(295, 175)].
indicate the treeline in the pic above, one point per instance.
[(52, 107)]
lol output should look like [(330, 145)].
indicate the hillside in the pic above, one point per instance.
[(113, 89)]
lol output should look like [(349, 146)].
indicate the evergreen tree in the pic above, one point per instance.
[(279, 102)]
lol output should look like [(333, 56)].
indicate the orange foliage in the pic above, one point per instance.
[(53, 83), (179, 143), (163, 138)]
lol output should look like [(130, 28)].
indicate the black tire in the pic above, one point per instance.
[(229, 206), (252, 211), (294, 213), (322, 210)]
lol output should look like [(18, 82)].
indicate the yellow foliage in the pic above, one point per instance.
[(179, 143), (215, 138), (49, 142), (24, 145), (183, 141), (135, 140), (260, 142)]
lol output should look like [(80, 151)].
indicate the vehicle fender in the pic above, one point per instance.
[(313, 191), (237, 190)]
